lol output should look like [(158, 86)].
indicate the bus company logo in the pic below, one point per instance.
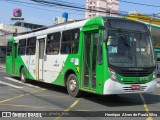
[(135, 69), (17, 12)]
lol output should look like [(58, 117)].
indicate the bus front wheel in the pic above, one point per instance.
[(23, 76), (72, 86)]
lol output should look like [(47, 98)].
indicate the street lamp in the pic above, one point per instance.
[(154, 15)]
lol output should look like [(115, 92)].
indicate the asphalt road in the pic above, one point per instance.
[(35, 96)]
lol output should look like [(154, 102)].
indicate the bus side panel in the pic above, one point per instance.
[(21, 63), (30, 66), (72, 63), (9, 64), (53, 66)]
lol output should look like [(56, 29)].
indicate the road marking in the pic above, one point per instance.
[(28, 106), (74, 104), (15, 80), (84, 110), (145, 106), (69, 108), (12, 89), (11, 85), (20, 96), (57, 96), (11, 98)]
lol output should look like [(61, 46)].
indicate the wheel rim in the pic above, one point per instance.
[(72, 85)]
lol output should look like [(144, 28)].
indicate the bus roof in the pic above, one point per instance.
[(55, 28), (64, 26)]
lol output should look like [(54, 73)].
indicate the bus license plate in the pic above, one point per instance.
[(135, 87)]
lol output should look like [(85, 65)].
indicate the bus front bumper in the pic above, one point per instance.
[(113, 87)]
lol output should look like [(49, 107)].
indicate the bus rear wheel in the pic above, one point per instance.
[(72, 86), (23, 76)]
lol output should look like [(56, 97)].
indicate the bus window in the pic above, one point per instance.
[(53, 43), (70, 40), (9, 49), (22, 47), (31, 46)]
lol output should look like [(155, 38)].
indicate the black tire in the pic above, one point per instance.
[(72, 86), (23, 76)]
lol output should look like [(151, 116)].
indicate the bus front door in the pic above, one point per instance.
[(89, 58), (41, 58)]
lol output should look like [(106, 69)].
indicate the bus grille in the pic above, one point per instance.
[(128, 73), (129, 89), (134, 81), (133, 71)]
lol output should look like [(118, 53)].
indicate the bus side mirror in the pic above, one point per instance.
[(100, 49)]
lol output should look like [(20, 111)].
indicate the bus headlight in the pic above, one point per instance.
[(154, 74), (113, 75)]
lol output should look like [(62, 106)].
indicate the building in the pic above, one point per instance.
[(101, 8), (59, 20), (29, 26), (7, 31)]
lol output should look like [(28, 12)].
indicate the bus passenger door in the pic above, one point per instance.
[(41, 45), (89, 58), (14, 58)]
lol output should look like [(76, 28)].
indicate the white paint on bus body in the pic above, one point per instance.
[(50, 69), (53, 66)]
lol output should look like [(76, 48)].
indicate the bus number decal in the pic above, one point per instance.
[(77, 69)]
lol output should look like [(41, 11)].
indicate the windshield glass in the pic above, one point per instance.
[(129, 49)]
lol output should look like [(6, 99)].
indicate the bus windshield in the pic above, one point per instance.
[(129, 49)]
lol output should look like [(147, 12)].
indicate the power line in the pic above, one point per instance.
[(81, 5), (58, 4), (123, 13), (22, 3), (48, 3), (51, 4), (31, 3), (44, 2), (69, 3), (142, 4)]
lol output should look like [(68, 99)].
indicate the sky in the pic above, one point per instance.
[(44, 15)]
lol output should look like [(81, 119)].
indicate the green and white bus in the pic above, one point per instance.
[(157, 52), (102, 55)]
